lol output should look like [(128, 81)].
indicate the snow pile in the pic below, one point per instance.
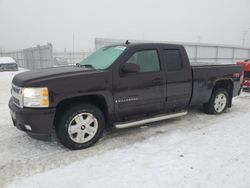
[(216, 155), (196, 150)]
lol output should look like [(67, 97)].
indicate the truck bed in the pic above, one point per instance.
[(204, 77)]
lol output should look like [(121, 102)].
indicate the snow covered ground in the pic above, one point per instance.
[(197, 150)]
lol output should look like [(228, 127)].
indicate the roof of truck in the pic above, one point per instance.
[(132, 44)]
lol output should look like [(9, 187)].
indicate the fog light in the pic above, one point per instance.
[(28, 127)]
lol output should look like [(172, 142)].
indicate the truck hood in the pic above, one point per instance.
[(30, 78)]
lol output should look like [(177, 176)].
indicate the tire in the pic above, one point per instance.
[(218, 102), (80, 127)]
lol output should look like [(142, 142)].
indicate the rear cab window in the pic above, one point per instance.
[(173, 59)]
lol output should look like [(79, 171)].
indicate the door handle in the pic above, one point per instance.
[(158, 81)]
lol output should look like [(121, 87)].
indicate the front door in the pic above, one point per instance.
[(143, 92)]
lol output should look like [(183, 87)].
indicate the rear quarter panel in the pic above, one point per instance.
[(205, 78)]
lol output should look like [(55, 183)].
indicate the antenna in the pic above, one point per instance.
[(127, 42)]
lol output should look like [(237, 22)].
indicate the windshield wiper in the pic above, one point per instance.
[(87, 66)]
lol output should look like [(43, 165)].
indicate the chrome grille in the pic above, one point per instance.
[(15, 89), (16, 101), (16, 93)]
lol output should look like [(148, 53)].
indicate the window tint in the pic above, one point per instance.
[(173, 59), (147, 60)]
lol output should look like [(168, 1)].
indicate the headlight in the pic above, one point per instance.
[(35, 97)]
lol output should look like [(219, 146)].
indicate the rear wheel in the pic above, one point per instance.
[(218, 102), (81, 126)]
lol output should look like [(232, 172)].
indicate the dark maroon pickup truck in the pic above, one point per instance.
[(118, 86)]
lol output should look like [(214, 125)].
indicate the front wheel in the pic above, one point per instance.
[(218, 102), (81, 126)]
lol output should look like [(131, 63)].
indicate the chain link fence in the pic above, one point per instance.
[(33, 58), (43, 56), (67, 58)]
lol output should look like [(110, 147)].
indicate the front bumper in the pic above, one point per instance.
[(40, 120)]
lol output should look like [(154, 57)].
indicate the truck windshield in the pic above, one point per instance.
[(103, 58)]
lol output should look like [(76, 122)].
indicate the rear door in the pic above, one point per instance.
[(178, 77), (143, 92)]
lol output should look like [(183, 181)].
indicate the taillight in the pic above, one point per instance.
[(236, 75)]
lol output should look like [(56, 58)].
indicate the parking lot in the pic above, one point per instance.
[(197, 150)]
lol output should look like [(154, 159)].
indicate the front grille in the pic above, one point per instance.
[(17, 96), (15, 89)]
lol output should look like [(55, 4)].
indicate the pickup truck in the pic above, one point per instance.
[(118, 86)]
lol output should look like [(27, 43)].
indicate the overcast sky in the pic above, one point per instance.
[(26, 23)]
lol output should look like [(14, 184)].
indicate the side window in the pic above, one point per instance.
[(148, 60), (173, 60)]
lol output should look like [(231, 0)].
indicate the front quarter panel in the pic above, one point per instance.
[(77, 85)]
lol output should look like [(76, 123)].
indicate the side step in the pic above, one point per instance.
[(149, 120)]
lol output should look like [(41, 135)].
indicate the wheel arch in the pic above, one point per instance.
[(228, 85), (94, 99)]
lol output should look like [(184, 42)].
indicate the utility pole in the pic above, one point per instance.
[(244, 36), (73, 47), (143, 36), (199, 39)]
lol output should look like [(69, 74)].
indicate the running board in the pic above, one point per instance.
[(149, 120)]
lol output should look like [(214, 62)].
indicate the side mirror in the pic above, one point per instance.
[(130, 68)]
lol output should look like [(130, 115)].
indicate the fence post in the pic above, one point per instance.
[(233, 55), (51, 55), (196, 53), (217, 53), (40, 57)]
